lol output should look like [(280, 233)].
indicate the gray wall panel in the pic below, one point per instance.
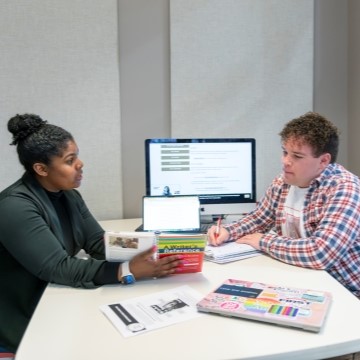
[(59, 59), (241, 69)]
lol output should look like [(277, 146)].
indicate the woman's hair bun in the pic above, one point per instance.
[(21, 126)]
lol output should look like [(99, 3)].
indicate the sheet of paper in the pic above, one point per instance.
[(146, 313), (228, 252), (229, 259)]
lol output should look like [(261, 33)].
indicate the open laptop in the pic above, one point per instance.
[(171, 214), (282, 305)]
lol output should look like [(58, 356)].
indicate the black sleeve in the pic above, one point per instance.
[(107, 273)]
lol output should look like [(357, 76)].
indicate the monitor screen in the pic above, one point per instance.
[(220, 171)]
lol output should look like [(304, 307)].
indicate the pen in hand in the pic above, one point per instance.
[(217, 230)]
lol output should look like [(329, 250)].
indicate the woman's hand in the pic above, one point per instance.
[(217, 238), (144, 265)]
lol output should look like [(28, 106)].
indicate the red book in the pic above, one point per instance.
[(190, 246)]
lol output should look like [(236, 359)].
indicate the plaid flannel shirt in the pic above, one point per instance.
[(331, 217)]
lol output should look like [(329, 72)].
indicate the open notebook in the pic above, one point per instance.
[(171, 214), (282, 305)]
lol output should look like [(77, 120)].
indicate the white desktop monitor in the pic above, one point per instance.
[(221, 171)]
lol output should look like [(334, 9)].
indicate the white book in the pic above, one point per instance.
[(123, 246)]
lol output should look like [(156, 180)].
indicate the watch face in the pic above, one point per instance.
[(128, 279)]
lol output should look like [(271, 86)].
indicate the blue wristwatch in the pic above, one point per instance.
[(127, 277)]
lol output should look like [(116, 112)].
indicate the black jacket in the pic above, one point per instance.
[(32, 252)]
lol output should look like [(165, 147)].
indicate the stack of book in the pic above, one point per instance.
[(190, 246), (123, 246)]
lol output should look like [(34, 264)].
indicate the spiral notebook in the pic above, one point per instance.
[(278, 304)]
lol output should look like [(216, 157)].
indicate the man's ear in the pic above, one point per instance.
[(325, 160), (40, 169)]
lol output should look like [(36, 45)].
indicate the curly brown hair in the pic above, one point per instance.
[(315, 130)]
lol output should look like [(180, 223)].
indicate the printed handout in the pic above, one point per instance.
[(145, 313)]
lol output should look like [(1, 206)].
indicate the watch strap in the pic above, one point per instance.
[(126, 276)]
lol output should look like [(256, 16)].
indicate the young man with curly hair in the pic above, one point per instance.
[(310, 214)]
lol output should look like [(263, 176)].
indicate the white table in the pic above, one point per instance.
[(68, 324)]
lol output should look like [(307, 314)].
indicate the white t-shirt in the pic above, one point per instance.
[(292, 224)]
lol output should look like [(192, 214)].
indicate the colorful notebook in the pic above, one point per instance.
[(295, 307)]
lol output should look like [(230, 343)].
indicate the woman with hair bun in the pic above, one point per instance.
[(44, 223)]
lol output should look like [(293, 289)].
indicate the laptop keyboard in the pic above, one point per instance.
[(204, 227)]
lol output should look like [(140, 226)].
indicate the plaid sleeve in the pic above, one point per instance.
[(332, 224), (262, 219)]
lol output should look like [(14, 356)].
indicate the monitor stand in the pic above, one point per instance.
[(209, 219)]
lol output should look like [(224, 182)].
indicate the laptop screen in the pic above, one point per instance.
[(171, 213)]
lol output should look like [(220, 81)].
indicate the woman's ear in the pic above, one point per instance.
[(40, 169)]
